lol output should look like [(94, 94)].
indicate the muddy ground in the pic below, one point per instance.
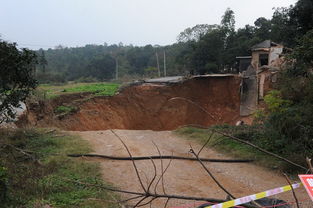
[(183, 177)]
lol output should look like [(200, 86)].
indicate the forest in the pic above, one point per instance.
[(200, 49)]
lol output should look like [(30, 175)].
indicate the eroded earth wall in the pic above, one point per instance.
[(156, 106)]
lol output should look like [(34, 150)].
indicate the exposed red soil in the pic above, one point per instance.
[(203, 101)]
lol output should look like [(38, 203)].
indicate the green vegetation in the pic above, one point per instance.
[(65, 109), (231, 147), (99, 89), (288, 126), (275, 103), (285, 126), (16, 77), (35, 171)]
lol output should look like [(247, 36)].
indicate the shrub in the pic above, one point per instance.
[(275, 102), (65, 109)]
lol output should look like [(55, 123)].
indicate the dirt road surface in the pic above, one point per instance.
[(183, 177)]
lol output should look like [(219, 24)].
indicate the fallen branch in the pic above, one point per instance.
[(260, 149), (160, 157), (27, 153), (247, 143), (148, 194)]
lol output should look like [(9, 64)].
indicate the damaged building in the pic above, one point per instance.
[(258, 71)]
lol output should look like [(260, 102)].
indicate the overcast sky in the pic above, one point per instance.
[(47, 23)]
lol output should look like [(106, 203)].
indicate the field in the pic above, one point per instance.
[(35, 171), (98, 89)]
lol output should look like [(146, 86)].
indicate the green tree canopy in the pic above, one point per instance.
[(16, 77), (195, 33), (102, 67)]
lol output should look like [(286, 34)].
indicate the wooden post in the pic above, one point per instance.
[(164, 63), (116, 68), (158, 64)]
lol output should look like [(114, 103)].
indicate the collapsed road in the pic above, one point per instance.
[(160, 105)]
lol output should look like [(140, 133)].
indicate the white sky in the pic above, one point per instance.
[(47, 23)]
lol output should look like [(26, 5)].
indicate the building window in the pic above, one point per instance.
[(263, 59)]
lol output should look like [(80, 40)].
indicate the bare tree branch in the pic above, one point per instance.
[(27, 153), (129, 199), (154, 176), (260, 149), (149, 202), (144, 194), (162, 176), (162, 169), (293, 191), (208, 140), (248, 143), (308, 161), (167, 200), (218, 141), (161, 157), (134, 164), (141, 200), (210, 174), (196, 104)]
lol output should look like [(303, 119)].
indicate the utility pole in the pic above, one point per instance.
[(164, 63), (158, 64), (116, 68)]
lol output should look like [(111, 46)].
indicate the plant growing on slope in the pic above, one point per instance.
[(16, 77)]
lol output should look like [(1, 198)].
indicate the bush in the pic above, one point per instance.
[(275, 103), (65, 109), (16, 78)]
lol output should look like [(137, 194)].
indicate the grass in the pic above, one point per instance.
[(232, 148), (64, 109), (25, 183), (98, 89)]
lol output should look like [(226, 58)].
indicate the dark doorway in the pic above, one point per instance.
[(263, 59)]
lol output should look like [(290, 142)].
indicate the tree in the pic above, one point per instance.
[(302, 56), (263, 28), (290, 24), (208, 52), (301, 15), (228, 22), (16, 77), (42, 60), (195, 33), (239, 44), (283, 31), (102, 67)]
